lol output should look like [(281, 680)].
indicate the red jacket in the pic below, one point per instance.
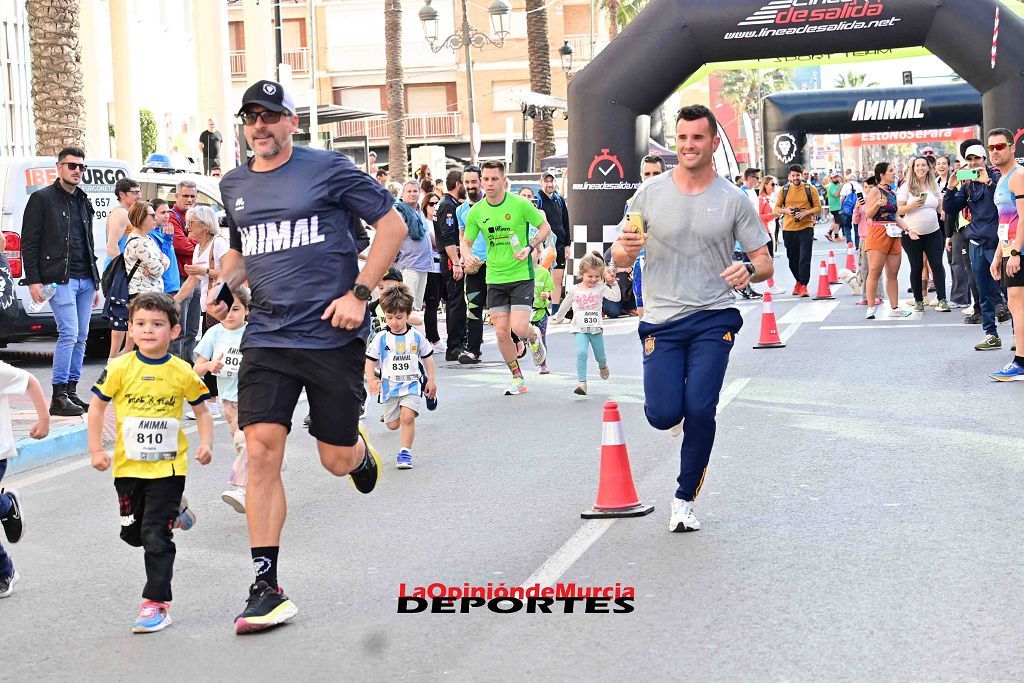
[(184, 246)]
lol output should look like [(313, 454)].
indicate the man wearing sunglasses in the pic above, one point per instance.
[(291, 212), (977, 193), (57, 247)]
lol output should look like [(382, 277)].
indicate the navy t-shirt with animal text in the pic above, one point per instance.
[(293, 227)]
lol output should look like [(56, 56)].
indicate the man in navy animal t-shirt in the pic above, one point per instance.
[(290, 211)]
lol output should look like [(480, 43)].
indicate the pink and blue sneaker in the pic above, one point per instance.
[(186, 519), (153, 616), (1013, 371)]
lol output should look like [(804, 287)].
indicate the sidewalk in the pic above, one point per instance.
[(68, 435)]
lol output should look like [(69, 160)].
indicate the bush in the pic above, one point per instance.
[(147, 127)]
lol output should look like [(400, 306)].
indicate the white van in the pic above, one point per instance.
[(155, 184), (20, 177)]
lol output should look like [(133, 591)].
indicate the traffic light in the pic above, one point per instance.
[(908, 78)]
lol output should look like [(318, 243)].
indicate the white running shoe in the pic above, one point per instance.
[(899, 313), (214, 407), (677, 430), (518, 387), (235, 498), (870, 313), (683, 518), (438, 346), (540, 354)]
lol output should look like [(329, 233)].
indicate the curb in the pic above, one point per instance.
[(58, 445)]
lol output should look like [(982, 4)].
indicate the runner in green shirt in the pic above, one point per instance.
[(504, 220)]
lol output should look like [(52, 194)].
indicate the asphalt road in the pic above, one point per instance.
[(860, 521)]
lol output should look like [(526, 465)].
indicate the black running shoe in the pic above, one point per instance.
[(266, 607), (452, 354), (1002, 314), (973, 319), (468, 358), (364, 477), (14, 525)]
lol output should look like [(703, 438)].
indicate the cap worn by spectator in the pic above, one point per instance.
[(393, 274), (269, 95), (548, 175)]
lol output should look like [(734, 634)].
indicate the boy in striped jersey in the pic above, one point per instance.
[(403, 356)]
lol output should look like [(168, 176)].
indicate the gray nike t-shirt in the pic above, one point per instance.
[(690, 240)]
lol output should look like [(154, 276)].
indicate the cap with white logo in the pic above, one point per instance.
[(267, 94)]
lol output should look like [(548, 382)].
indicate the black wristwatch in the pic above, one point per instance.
[(1014, 252), (750, 268), (362, 292)]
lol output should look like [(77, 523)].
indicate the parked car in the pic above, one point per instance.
[(170, 163), (20, 177)]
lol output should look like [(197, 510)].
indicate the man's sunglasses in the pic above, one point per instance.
[(998, 147), (267, 116), (472, 169), (74, 166)]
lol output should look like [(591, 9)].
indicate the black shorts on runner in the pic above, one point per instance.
[(271, 379), (510, 296), (559, 259), (1015, 281)]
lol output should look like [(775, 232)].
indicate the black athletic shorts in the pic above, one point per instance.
[(559, 259), (510, 296), (1015, 281), (270, 380)]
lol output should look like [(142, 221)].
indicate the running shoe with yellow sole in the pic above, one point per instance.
[(364, 477), (266, 607)]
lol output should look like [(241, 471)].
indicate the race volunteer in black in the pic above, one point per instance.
[(446, 231), (290, 214)]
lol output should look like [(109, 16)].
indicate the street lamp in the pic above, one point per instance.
[(565, 53), (467, 37)]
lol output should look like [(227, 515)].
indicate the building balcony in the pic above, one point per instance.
[(297, 59), (418, 127), (580, 44)]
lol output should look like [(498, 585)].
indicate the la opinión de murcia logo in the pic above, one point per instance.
[(564, 598)]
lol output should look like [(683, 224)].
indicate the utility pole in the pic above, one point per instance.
[(278, 30)]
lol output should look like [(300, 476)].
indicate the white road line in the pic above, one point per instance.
[(555, 566), (891, 326), (809, 312), (787, 333)]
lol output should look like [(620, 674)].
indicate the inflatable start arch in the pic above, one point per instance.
[(670, 39)]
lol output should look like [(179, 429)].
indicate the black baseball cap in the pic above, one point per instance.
[(393, 274), (267, 94)]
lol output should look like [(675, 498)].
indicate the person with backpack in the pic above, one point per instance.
[(798, 204)]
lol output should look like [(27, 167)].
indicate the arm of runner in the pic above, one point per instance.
[(542, 234), (565, 306), (100, 459), (204, 423), (431, 388), (372, 383)]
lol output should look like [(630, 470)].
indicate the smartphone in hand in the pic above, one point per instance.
[(224, 295)]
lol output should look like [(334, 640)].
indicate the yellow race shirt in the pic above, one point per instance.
[(149, 398)]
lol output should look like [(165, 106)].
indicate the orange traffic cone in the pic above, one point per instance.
[(769, 330), (851, 260), (616, 495), (833, 274), (823, 290)]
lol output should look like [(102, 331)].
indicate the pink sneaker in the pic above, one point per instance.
[(544, 369)]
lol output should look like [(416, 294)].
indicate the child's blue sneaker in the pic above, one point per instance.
[(404, 460), (186, 518), (1011, 372), (153, 617)]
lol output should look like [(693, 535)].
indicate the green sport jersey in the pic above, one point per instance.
[(542, 282), (504, 226), (834, 203)]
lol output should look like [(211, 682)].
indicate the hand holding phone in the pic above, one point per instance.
[(224, 295)]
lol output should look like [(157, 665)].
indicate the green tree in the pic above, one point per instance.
[(852, 80), (620, 13), (147, 128), (745, 88)]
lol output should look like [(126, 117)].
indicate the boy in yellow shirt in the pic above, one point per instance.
[(149, 388)]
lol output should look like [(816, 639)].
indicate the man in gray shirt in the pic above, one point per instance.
[(692, 217)]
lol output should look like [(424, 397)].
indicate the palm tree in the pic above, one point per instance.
[(57, 102), (398, 157), (620, 13), (745, 88), (852, 80), (540, 75)]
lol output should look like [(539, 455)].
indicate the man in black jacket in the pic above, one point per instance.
[(57, 248), (557, 214), (446, 232)]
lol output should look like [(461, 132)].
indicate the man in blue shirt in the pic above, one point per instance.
[(290, 211)]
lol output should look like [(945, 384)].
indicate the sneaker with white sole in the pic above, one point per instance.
[(404, 461), (676, 430), (7, 583), (153, 616), (517, 387), (869, 314), (540, 354), (186, 518), (581, 389), (235, 498), (1011, 372), (899, 313), (214, 408), (683, 518), (13, 522), (604, 372)]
